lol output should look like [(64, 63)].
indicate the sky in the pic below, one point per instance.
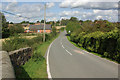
[(57, 10)]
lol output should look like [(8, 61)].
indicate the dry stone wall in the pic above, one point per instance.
[(19, 57), (12, 59)]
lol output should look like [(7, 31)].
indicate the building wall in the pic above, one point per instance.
[(37, 23), (26, 28), (41, 31)]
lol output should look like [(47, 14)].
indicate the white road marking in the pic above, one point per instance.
[(65, 49), (48, 67), (68, 51), (63, 46)]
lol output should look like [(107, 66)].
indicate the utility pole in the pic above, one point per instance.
[(44, 22)]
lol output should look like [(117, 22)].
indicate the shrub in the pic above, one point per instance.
[(103, 37)]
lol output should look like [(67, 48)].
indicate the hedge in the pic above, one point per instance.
[(105, 43)]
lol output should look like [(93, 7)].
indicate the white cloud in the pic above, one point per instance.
[(52, 19), (99, 17), (87, 4), (69, 13), (9, 0), (95, 14), (49, 5), (11, 6), (36, 12)]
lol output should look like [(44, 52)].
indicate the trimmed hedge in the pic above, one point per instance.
[(105, 43)]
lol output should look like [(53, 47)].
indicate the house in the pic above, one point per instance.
[(38, 23), (26, 27), (39, 28)]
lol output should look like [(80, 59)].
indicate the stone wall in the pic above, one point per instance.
[(7, 68), (17, 57)]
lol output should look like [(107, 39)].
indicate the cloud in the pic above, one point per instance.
[(36, 11), (94, 14), (11, 6), (52, 19), (89, 5), (49, 5), (99, 17), (69, 13), (9, 0)]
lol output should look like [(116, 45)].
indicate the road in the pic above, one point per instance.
[(67, 61)]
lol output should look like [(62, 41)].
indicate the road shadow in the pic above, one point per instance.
[(67, 34), (21, 74)]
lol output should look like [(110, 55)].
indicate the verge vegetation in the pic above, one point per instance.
[(101, 37)]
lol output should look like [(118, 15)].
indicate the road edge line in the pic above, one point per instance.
[(47, 61)]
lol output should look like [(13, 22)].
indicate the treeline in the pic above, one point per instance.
[(100, 36), (10, 29)]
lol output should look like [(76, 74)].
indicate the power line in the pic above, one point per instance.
[(14, 14)]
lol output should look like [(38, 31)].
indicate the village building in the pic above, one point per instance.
[(39, 28), (26, 27)]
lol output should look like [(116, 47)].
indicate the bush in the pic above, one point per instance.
[(17, 42), (15, 29), (14, 44), (103, 38)]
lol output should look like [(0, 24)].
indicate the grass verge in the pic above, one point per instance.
[(36, 67), (88, 51)]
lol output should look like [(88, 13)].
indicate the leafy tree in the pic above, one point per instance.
[(11, 22), (81, 21), (38, 21), (72, 26), (15, 29), (32, 23), (24, 22), (100, 36), (54, 31), (64, 22), (74, 19), (42, 21), (5, 30)]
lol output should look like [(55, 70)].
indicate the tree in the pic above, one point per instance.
[(24, 22), (74, 19), (38, 21), (64, 22), (72, 26), (81, 21), (11, 22), (15, 29), (47, 22), (54, 31), (5, 30), (42, 21)]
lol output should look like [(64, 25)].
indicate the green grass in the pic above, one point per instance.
[(68, 37), (36, 67)]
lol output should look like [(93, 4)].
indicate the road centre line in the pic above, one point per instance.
[(65, 49)]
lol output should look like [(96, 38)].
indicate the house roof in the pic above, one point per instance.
[(25, 24), (40, 27)]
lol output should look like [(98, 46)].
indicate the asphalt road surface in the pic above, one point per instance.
[(67, 61)]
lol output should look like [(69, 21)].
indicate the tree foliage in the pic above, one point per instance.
[(5, 30), (74, 19), (15, 29), (100, 36)]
